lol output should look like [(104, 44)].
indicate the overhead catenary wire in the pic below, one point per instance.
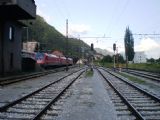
[(117, 20), (65, 6), (113, 13)]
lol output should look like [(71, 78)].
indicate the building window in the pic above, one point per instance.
[(11, 33), (11, 60)]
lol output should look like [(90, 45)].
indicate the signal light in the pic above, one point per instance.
[(92, 48), (114, 46)]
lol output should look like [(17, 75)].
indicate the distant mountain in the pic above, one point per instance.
[(103, 51)]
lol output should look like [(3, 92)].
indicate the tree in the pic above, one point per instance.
[(120, 58), (151, 60), (158, 60), (107, 59), (129, 45), (49, 38)]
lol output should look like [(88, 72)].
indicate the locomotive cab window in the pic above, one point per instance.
[(11, 33)]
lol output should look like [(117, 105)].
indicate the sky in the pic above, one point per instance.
[(103, 22)]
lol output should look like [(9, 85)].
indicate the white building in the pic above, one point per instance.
[(30, 46), (140, 57)]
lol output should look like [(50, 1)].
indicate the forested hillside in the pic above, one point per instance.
[(50, 39)]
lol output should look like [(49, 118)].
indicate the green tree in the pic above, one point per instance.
[(50, 39), (129, 45), (158, 60), (107, 58), (151, 60), (120, 58)]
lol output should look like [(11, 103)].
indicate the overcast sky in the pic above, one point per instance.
[(107, 18)]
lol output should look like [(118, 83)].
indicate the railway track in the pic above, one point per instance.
[(131, 101), (11, 80), (35, 104), (148, 75), (145, 71)]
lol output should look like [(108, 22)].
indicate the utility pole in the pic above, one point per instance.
[(67, 45), (126, 50), (117, 55), (114, 49), (79, 50), (92, 55)]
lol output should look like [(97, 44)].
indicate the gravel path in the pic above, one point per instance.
[(88, 101)]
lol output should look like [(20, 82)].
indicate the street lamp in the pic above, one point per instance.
[(114, 49), (79, 49), (67, 45)]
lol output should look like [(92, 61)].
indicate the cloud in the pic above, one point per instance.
[(147, 44), (150, 47), (75, 29)]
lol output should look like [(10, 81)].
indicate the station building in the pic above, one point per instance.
[(11, 11), (140, 57)]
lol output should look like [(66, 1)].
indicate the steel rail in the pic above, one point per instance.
[(5, 82), (131, 108), (140, 89), (5, 107), (151, 72), (24, 77), (153, 78), (38, 116)]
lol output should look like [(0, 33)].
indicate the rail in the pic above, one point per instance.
[(133, 96)]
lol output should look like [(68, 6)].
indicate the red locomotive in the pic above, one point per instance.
[(48, 60)]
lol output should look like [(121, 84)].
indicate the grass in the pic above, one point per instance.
[(89, 73), (153, 67), (108, 65), (131, 78)]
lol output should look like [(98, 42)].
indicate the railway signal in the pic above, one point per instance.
[(92, 47), (114, 47)]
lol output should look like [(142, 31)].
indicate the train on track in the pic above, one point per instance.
[(47, 60)]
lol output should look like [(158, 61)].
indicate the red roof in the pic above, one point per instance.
[(58, 53)]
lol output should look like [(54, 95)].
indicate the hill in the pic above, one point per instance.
[(103, 51), (51, 39)]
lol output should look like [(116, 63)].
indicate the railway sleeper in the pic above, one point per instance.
[(124, 112), (154, 117), (16, 116), (126, 117), (149, 108), (29, 106), (34, 102), (150, 113), (147, 105), (124, 108), (34, 111)]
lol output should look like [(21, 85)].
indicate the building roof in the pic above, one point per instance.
[(17, 9), (58, 53)]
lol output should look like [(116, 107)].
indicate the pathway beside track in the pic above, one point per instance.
[(88, 101)]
